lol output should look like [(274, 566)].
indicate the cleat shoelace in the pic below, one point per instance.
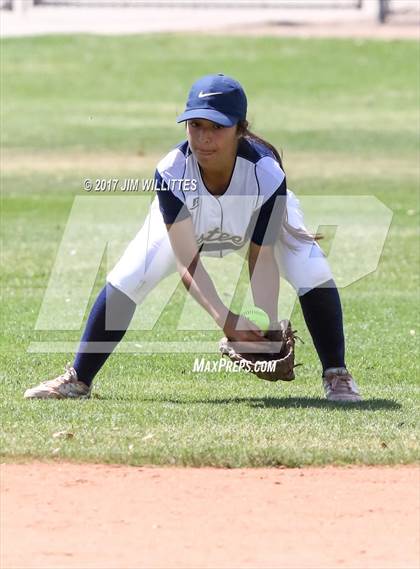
[(341, 381), (67, 377)]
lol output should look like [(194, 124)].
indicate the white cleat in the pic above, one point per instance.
[(340, 386), (64, 386)]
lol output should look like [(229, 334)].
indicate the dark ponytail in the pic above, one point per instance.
[(246, 133), (299, 234)]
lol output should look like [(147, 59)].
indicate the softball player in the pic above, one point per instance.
[(222, 189)]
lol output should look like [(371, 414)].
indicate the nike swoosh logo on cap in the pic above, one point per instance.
[(201, 95)]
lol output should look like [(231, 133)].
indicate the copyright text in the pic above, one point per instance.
[(127, 185)]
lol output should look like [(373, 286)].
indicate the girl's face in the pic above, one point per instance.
[(210, 142)]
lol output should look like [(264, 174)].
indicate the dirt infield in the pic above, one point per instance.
[(356, 30), (67, 515), (402, 23)]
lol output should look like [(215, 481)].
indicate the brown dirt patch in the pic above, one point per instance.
[(362, 30), (105, 164), (18, 161), (70, 515)]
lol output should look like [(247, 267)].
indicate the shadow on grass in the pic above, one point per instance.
[(315, 402), (270, 402)]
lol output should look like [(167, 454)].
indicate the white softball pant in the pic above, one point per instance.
[(149, 257)]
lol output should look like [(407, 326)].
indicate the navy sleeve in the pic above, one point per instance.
[(270, 217), (171, 207)]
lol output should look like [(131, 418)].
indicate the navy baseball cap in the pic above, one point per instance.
[(217, 98)]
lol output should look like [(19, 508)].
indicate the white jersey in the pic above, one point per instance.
[(224, 223)]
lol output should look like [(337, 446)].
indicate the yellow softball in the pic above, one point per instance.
[(258, 316)]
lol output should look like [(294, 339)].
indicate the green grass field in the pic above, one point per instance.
[(345, 114)]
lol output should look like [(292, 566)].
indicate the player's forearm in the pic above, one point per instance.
[(199, 284), (265, 283)]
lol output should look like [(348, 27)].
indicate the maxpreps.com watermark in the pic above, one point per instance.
[(128, 185), (203, 365)]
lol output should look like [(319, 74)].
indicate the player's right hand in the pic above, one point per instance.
[(239, 329)]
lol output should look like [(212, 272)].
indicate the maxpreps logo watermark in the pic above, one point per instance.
[(98, 231), (203, 365)]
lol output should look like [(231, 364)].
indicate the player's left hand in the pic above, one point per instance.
[(276, 348)]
